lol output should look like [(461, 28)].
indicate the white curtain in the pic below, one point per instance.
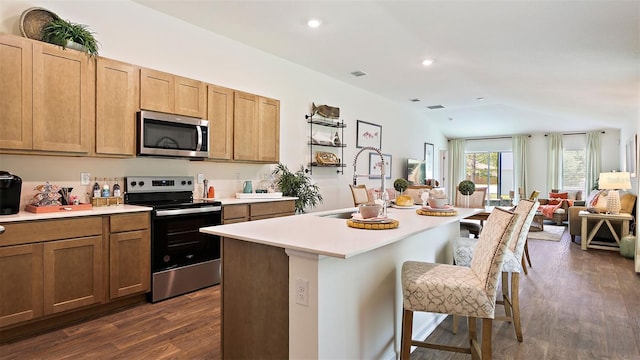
[(592, 160), (457, 162), (554, 162), (519, 164)]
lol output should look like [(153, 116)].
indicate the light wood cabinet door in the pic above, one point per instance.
[(168, 93), (63, 99), (220, 116), (190, 97), (117, 101), (157, 90), (268, 130), (16, 56), (245, 126), (256, 132), (20, 283), (73, 274), (129, 263)]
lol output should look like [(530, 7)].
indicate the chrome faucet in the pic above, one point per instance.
[(382, 168)]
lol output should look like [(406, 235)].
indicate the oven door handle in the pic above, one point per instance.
[(200, 210)]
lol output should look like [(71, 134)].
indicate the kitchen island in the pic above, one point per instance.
[(310, 287)]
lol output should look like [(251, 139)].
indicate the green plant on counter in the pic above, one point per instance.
[(466, 187), (60, 31), (400, 185), (297, 184)]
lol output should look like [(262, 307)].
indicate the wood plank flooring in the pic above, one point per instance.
[(575, 305)]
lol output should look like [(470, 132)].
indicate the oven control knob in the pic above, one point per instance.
[(189, 182), (133, 183), (141, 183), (166, 258), (184, 182)]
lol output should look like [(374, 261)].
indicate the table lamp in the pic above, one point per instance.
[(614, 181)]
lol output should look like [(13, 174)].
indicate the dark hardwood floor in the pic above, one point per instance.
[(575, 305)]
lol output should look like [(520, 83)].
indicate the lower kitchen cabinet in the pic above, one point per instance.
[(257, 211), (129, 255), (73, 274), (52, 269), (20, 283)]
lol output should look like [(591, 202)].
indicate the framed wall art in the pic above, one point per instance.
[(368, 134), (374, 166), (429, 159)]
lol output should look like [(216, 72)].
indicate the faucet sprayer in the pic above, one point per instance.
[(382, 167)]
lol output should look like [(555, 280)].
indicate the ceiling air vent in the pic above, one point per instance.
[(414, 100), (358, 73), (435, 107)]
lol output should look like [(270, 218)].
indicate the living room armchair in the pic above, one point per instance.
[(598, 199)]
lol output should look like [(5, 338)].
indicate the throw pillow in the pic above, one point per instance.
[(562, 195), (554, 201), (598, 200)]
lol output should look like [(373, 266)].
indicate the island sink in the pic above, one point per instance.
[(338, 215)]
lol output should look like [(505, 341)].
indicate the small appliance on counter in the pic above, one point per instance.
[(10, 189)]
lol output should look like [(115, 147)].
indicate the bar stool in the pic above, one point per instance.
[(457, 290), (463, 253)]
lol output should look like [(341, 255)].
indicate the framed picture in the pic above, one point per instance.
[(429, 159), (374, 166), (368, 134), (632, 160)]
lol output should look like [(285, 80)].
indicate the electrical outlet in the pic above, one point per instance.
[(200, 178), (85, 178), (302, 292)]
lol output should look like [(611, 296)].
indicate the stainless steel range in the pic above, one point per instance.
[(182, 258)]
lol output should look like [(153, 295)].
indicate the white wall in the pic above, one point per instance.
[(130, 32)]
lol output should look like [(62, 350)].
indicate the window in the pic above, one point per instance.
[(492, 169), (573, 169)]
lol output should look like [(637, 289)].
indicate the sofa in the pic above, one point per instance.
[(556, 206), (597, 199)]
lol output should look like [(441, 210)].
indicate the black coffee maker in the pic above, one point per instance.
[(10, 189)]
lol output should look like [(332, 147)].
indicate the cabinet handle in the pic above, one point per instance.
[(1, 229)]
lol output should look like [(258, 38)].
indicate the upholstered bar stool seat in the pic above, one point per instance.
[(463, 253), (450, 289)]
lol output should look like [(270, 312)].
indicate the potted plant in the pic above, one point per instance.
[(67, 34), (297, 184)]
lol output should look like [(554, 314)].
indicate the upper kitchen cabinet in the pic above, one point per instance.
[(220, 116), (16, 103), (172, 94), (47, 97), (117, 101), (256, 128)]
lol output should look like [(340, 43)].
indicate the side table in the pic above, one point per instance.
[(587, 239)]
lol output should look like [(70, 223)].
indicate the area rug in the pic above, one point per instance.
[(550, 233)]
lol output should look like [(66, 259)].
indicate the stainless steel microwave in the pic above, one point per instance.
[(161, 134)]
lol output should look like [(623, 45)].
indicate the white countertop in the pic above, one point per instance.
[(234, 201), (115, 209), (102, 210), (331, 236)]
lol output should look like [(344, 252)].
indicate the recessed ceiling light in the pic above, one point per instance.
[(480, 99), (427, 62), (435, 107), (314, 23), (414, 100)]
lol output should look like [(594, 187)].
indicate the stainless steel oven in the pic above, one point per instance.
[(182, 258)]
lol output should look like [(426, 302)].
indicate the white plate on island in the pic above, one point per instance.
[(405, 207), (376, 220)]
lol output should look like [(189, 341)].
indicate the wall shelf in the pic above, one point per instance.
[(333, 141)]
